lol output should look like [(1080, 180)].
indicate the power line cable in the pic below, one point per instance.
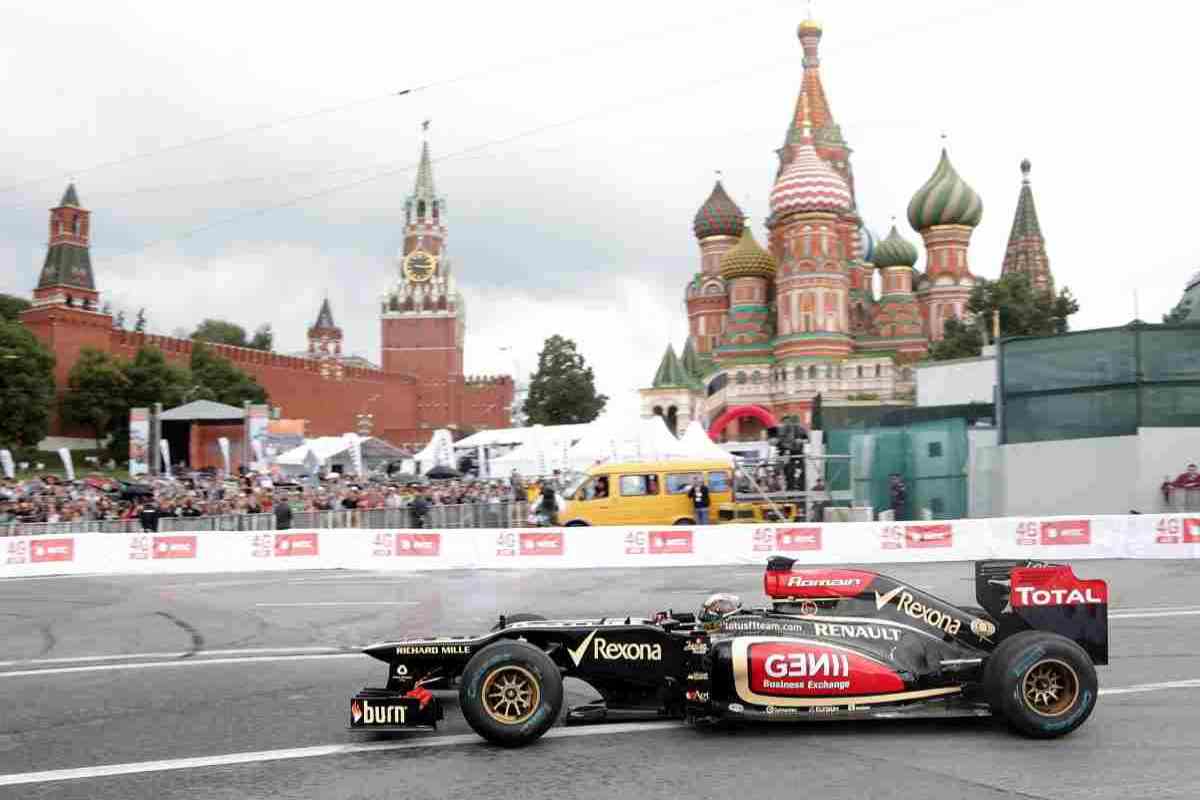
[(460, 78)]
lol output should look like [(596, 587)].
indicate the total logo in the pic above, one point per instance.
[(1027, 596), (363, 713), (906, 602), (604, 650)]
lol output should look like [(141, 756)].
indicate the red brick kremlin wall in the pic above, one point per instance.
[(331, 405)]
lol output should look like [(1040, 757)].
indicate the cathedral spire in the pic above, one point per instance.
[(812, 107), (1026, 251)]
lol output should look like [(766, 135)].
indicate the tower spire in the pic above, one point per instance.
[(66, 275), (1026, 251), (424, 185)]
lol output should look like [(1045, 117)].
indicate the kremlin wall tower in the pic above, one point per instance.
[(418, 387), (770, 329)]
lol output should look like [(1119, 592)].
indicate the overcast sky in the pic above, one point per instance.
[(573, 146)]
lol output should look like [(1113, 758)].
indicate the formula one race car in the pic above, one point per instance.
[(835, 644)]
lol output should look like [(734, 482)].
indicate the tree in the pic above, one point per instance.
[(95, 396), (263, 339), (149, 379), (139, 325), (218, 379), (26, 387), (11, 307), (1024, 311), (218, 331), (563, 390)]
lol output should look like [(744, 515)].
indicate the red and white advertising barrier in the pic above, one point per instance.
[(1174, 536)]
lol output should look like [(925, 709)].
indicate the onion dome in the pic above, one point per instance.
[(719, 216), (945, 199), (895, 251), (809, 26), (867, 242), (809, 184), (747, 260)]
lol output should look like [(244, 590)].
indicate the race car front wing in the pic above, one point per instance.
[(387, 710)]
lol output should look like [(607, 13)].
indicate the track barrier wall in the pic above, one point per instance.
[(1175, 536)]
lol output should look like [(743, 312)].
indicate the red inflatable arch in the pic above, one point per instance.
[(758, 412)]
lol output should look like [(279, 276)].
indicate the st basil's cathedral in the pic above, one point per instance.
[(770, 330)]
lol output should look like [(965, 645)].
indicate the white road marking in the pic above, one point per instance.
[(199, 654), (228, 759), (1180, 612), (179, 662), (1193, 683), (319, 751), (340, 603)]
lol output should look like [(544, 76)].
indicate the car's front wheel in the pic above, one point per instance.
[(511, 693), (1043, 684)]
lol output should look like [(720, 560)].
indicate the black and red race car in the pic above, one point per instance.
[(834, 644)]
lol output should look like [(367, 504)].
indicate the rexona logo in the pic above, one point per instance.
[(814, 669), (363, 713), (906, 602), (604, 650)]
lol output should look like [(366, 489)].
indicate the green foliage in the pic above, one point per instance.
[(1023, 309), (11, 307), (150, 379), (563, 390), (1176, 315), (218, 379), (26, 387), (263, 339), (219, 331), (95, 395), (139, 324)]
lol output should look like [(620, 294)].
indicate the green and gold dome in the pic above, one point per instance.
[(895, 251), (719, 216), (945, 199), (747, 260)]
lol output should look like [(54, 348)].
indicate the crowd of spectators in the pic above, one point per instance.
[(50, 499)]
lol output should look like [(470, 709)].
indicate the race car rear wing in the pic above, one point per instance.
[(1034, 595)]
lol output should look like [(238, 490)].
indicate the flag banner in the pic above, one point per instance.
[(6, 461), (223, 443), (139, 439), (68, 464), (165, 448)]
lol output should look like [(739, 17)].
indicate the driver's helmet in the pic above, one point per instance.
[(717, 607)]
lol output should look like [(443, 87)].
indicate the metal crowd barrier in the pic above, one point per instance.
[(1181, 501), (467, 515)]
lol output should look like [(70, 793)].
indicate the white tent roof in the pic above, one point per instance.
[(323, 447), (520, 436), (439, 451), (541, 454), (698, 444), (644, 440)]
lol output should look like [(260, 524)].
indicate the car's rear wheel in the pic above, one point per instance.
[(1043, 684), (576, 523), (511, 693)]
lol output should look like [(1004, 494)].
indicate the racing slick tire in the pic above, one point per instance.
[(511, 693), (1044, 685), (512, 618)]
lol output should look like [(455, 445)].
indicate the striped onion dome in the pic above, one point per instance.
[(945, 199), (867, 242), (719, 216), (809, 184), (895, 251), (747, 260)]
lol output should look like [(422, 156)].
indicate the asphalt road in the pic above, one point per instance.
[(235, 686)]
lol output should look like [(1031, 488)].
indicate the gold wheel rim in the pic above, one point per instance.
[(1050, 688), (511, 694)]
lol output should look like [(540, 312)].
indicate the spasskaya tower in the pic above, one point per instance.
[(422, 315)]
